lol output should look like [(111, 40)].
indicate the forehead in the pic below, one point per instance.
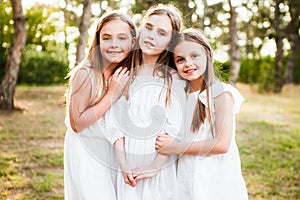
[(115, 26), (159, 21), (188, 46)]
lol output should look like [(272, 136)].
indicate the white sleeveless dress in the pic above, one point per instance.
[(139, 120), (89, 163), (211, 177)]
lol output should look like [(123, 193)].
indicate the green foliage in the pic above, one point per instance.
[(249, 70), (6, 33), (266, 78), (259, 71), (43, 68), (40, 27), (222, 71), (6, 25), (262, 71), (296, 73)]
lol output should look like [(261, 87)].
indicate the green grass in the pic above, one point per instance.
[(31, 144), (269, 143)]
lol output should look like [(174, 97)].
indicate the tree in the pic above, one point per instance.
[(6, 33), (294, 38), (83, 30), (7, 88), (283, 31), (234, 53)]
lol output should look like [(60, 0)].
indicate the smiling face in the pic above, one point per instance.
[(155, 35), (191, 62), (115, 41)]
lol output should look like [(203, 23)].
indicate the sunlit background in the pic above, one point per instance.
[(267, 46), (32, 101)]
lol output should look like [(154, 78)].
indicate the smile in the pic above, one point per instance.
[(148, 44), (114, 52), (190, 71)]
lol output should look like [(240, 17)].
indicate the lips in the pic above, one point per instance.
[(148, 44), (114, 52), (190, 71)]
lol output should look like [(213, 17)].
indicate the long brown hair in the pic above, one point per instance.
[(162, 67), (208, 78), (95, 57)]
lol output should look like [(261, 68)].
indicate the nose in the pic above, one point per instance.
[(188, 62), (114, 42), (150, 36)]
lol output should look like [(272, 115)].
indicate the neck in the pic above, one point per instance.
[(108, 70), (146, 70), (196, 85), (148, 59)]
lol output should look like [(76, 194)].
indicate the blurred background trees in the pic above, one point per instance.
[(255, 41)]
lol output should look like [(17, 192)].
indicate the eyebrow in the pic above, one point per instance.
[(109, 34), (177, 55), (160, 29), (149, 24)]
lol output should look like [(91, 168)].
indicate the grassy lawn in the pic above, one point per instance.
[(31, 144)]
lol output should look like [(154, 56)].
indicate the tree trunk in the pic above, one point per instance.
[(204, 15), (293, 29), (8, 85), (101, 9), (235, 54), (83, 30), (292, 58), (278, 64), (279, 45)]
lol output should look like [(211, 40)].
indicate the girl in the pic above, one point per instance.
[(94, 86), (210, 167), (147, 174)]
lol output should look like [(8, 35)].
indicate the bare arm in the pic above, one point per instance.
[(218, 145), (152, 170), (82, 114), (126, 171)]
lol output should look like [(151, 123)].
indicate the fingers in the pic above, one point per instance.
[(129, 179), (158, 146), (117, 72), (162, 136), (162, 142), (125, 77), (121, 75), (120, 71), (139, 177), (158, 142)]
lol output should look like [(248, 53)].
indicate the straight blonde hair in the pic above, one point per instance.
[(95, 57), (162, 67), (208, 78)]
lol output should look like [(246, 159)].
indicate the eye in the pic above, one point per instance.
[(195, 55), (179, 60), (122, 38), (147, 27), (162, 33), (106, 38)]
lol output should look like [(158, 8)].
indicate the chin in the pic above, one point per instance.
[(150, 53), (117, 60)]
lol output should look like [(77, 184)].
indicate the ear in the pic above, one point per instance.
[(133, 42)]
